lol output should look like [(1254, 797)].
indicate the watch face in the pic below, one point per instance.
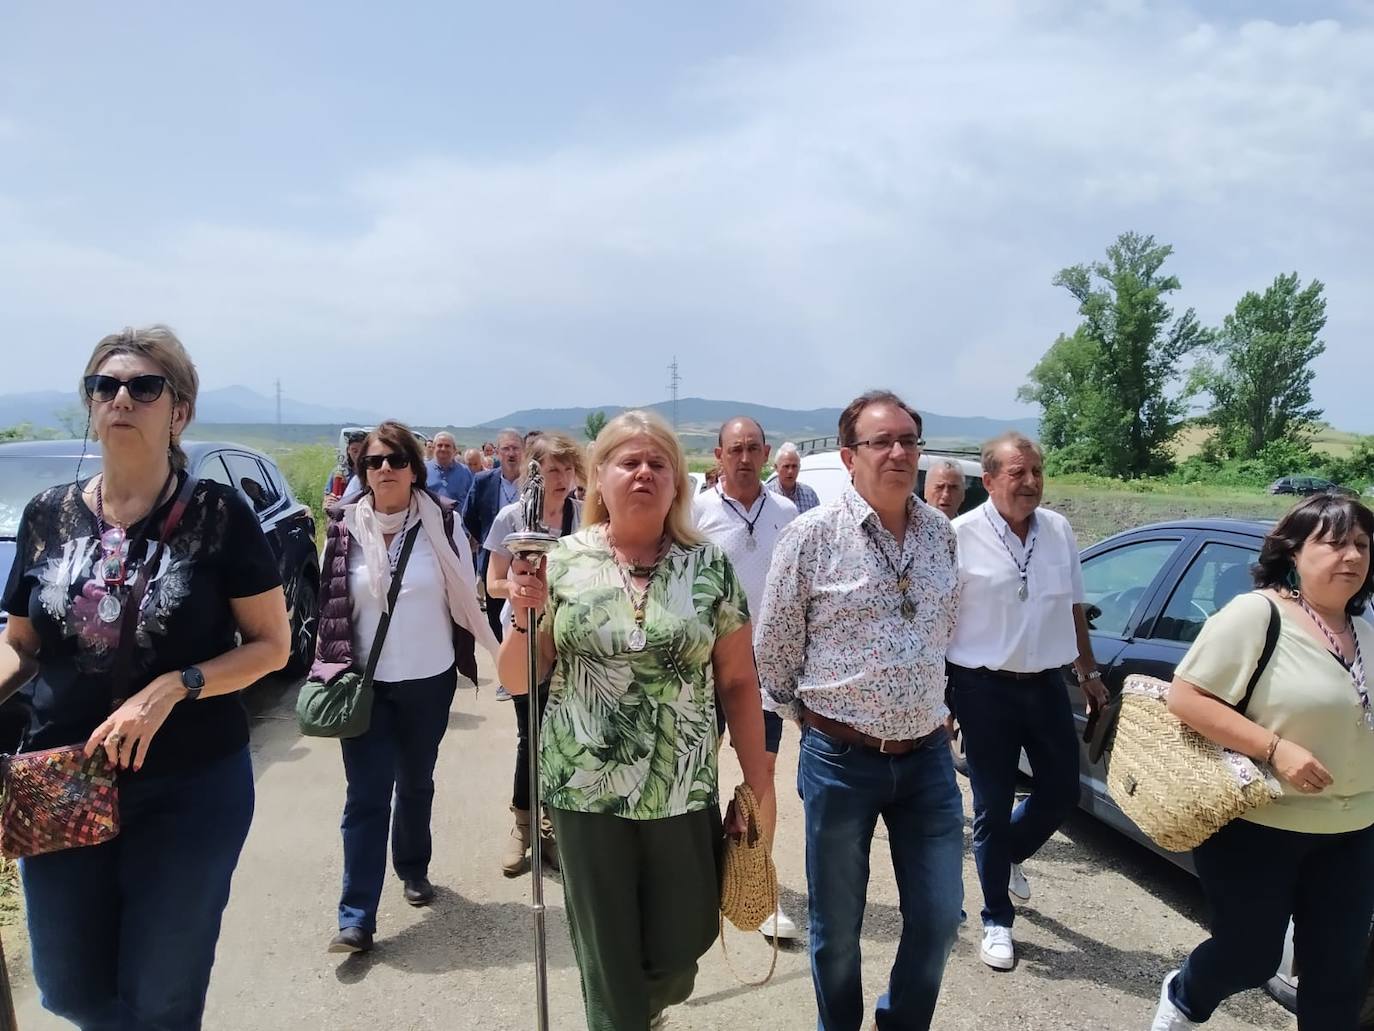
[(192, 678)]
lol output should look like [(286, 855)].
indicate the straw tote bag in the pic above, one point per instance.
[(1176, 785), (749, 881)]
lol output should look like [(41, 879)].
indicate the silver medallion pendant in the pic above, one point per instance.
[(908, 609), (109, 608), (638, 639), (1022, 591), (752, 544)]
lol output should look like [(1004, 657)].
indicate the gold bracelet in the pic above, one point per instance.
[(1273, 747)]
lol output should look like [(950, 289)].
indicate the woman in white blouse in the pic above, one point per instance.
[(430, 640)]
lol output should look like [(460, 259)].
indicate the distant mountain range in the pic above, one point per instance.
[(49, 409), (698, 415), (698, 418)]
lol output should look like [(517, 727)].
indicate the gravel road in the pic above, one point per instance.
[(1106, 922)]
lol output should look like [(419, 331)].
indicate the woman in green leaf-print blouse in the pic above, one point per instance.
[(643, 623)]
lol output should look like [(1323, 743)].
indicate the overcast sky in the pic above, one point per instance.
[(447, 211)]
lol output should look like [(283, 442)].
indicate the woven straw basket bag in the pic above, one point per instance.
[(1176, 785), (749, 881)]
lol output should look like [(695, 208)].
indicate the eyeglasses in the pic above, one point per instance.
[(908, 442), (144, 389), (396, 460)]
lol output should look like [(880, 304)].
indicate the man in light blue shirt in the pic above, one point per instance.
[(448, 477), (784, 479)]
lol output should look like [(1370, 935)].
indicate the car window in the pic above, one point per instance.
[(1114, 582), (213, 469), (248, 476), (1218, 573)]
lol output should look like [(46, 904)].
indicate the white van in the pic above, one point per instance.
[(826, 475)]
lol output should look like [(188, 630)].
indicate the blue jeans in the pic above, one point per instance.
[(844, 789), (1255, 879), (397, 753), (123, 934), (999, 717)]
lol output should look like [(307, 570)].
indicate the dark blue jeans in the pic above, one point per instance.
[(398, 754), (1256, 878), (123, 934), (844, 790), (999, 717)]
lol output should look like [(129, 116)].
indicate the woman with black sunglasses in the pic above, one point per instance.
[(123, 933), (430, 639)]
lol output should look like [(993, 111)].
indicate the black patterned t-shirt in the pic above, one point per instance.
[(216, 553)]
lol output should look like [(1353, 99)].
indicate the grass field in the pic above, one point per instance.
[(1100, 509), (1327, 439)]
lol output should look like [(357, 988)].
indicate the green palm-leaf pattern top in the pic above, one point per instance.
[(634, 733)]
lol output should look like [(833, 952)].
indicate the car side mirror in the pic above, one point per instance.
[(1092, 614)]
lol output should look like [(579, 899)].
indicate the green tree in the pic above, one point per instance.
[(595, 420), (72, 418), (1107, 388), (1261, 381)]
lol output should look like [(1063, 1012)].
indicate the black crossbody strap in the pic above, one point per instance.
[(569, 510), (391, 597), (1271, 638)]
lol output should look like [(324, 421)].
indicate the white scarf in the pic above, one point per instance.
[(368, 526)]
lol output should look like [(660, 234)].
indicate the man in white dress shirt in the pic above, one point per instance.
[(1020, 622), (744, 521)]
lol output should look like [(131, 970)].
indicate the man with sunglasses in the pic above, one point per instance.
[(1020, 623), (850, 642), (492, 491)]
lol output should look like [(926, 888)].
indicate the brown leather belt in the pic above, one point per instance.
[(844, 732)]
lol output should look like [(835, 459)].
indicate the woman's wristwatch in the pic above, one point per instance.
[(193, 680)]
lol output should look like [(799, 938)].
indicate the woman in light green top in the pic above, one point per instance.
[(1309, 855), (644, 623)]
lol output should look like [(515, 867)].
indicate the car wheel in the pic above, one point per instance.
[(1286, 995), (304, 620)]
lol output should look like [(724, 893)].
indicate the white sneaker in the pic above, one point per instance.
[(502, 695), (779, 925), (659, 1020), (1169, 1017), (1019, 886), (998, 950)]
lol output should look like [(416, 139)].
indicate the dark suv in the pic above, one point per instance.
[(1307, 485), (33, 466)]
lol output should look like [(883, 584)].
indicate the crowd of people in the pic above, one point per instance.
[(666, 620)]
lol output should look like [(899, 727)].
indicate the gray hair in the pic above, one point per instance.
[(992, 461), (941, 465), (510, 431), (447, 436), (786, 449)]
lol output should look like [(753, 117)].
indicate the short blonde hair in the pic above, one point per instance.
[(161, 347), (559, 447), (619, 431)]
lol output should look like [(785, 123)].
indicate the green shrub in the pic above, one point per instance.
[(306, 468)]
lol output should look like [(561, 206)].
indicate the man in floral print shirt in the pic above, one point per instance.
[(851, 641)]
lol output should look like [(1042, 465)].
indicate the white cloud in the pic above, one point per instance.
[(883, 195)]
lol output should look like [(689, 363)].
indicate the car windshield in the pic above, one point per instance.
[(23, 476)]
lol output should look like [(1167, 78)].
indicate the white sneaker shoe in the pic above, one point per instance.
[(1169, 1017), (1019, 886), (502, 695), (998, 951), (779, 925)]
